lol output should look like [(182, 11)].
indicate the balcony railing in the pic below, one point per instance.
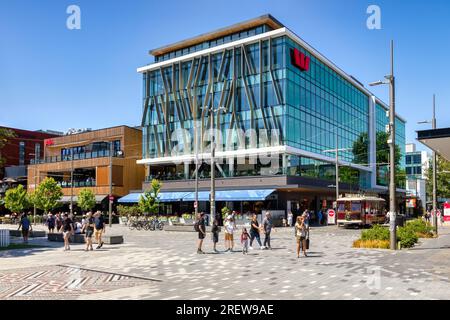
[(77, 184), (78, 156)]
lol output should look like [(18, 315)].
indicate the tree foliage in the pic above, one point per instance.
[(442, 178), (16, 199), (5, 135), (149, 202), (86, 199), (47, 195)]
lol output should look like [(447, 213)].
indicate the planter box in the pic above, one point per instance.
[(79, 238), (33, 234)]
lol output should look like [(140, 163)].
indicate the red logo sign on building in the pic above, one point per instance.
[(49, 142), (300, 60)]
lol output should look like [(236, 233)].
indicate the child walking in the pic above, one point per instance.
[(245, 236)]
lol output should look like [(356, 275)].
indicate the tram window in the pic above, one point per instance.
[(356, 206), (341, 207)]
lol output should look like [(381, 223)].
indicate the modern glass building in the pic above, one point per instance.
[(280, 110)]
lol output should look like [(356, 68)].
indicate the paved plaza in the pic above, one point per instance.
[(165, 265)]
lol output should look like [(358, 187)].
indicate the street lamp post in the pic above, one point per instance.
[(434, 163), (213, 147), (71, 181), (336, 151), (110, 183), (390, 80), (35, 154)]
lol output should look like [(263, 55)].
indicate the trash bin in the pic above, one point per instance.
[(400, 220)]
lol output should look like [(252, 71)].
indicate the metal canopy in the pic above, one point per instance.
[(437, 140)]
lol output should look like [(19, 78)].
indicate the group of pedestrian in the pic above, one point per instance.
[(246, 238), (92, 225)]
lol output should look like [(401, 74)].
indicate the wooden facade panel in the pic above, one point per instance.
[(102, 176)]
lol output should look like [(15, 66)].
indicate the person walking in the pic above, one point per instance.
[(99, 228), (67, 228), (300, 234), (320, 217), (254, 232), (268, 227), (58, 221), (290, 217), (230, 226), (215, 233), (244, 240), (25, 224), (50, 222), (88, 228), (201, 229)]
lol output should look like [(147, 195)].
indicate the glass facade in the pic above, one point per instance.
[(381, 121), (261, 89)]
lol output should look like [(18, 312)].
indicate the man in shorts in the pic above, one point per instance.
[(88, 228), (230, 226), (25, 224), (99, 226), (201, 232)]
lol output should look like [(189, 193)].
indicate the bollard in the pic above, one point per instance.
[(4, 238)]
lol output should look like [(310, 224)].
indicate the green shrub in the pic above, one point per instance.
[(375, 233), (419, 227), (407, 237)]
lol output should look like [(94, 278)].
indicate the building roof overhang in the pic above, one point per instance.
[(255, 22), (437, 140)]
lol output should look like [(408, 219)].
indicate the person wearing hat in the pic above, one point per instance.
[(230, 227)]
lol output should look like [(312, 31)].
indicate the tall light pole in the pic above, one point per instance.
[(434, 163), (71, 181), (110, 201), (336, 151), (390, 80), (196, 162), (213, 166), (35, 175)]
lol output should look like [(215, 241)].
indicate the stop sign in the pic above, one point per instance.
[(195, 204), (111, 198), (331, 216)]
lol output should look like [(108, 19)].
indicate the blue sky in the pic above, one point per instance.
[(55, 78)]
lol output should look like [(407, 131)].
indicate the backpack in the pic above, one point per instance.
[(197, 226)]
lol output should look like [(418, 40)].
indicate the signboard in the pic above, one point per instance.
[(111, 198), (195, 204), (446, 211), (300, 60), (331, 216), (411, 203), (49, 142)]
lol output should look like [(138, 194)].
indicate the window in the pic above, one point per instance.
[(37, 150), (21, 153)]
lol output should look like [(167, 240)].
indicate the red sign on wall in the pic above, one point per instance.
[(300, 60), (49, 142)]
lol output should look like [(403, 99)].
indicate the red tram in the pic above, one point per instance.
[(361, 210)]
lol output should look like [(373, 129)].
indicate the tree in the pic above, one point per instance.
[(5, 135), (442, 178), (47, 195), (149, 202), (361, 151), (348, 175), (86, 199), (16, 199)]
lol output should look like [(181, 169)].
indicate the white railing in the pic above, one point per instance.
[(4, 238)]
